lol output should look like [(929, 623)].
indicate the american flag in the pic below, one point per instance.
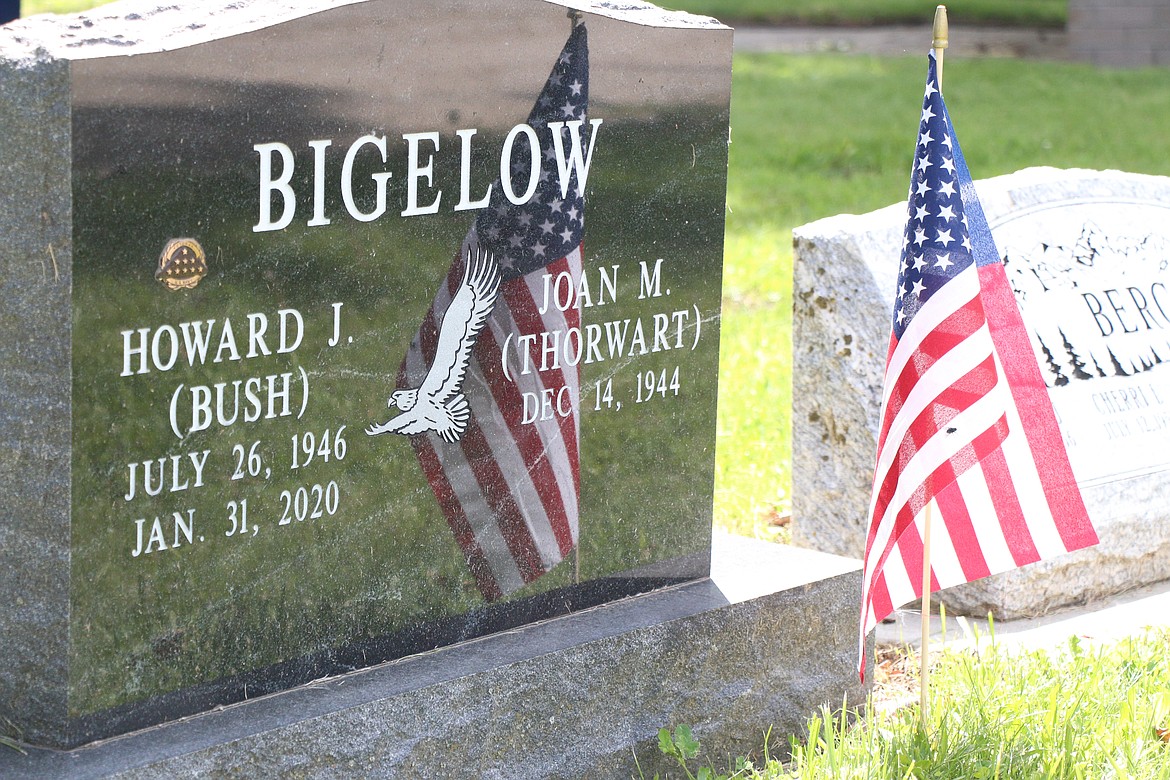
[(509, 486), (966, 421)]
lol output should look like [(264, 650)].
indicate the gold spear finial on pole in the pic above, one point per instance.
[(941, 32)]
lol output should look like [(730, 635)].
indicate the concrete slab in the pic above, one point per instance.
[(1105, 620)]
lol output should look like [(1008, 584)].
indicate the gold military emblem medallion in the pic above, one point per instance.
[(182, 264)]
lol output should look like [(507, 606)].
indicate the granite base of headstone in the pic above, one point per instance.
[(760, 645), (1087, 253)]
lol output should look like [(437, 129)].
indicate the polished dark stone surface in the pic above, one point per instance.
[(247, 394)]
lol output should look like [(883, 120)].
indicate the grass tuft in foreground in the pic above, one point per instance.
[(1081, 712)]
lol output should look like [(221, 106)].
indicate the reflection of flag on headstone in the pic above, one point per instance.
[(509, 487), (966, 421)]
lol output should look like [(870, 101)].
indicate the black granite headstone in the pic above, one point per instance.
[(344, 332)]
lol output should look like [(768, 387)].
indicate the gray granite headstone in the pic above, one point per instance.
[(1088, 257), (232, 231)]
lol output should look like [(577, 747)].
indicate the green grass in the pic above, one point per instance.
[(1080, 712), (1034, 13), (818, 135)]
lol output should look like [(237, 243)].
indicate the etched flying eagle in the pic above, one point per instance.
[(438, 404)]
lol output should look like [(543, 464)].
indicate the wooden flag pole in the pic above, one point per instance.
[(924, 650), (939, 45)]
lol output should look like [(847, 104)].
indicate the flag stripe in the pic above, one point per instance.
[(895, 575), (465, 507), (936, 311), (909, 387), (477, 562), (544, 439), (489, 456), (501, 502), (1026, 482), (946, 567), (450, 505), (525, 311), (923, 469), (976, 494), (893, 584), (569, 425), (1008, 509), (880, 601), (918, 494), (961, 533), (511, 551), (909, 546), (1031, 399), (934, 319), (949, 411), (538, 499), (525, 445)]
